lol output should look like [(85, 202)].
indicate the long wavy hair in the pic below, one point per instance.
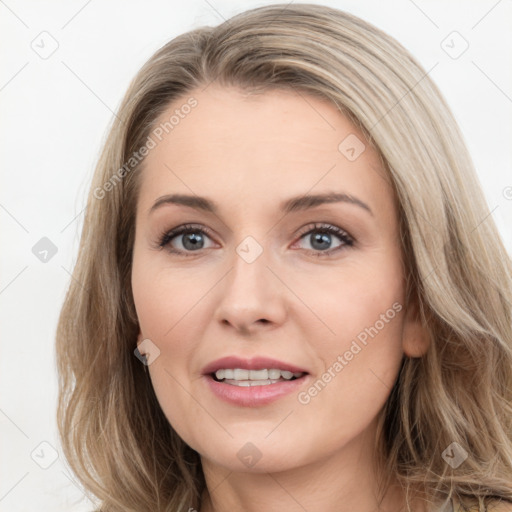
[(113, 431)]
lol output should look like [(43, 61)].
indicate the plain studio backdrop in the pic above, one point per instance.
[(64, 69)]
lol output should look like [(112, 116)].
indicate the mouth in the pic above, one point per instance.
[(253, 382), (256, 392), (248, 378)]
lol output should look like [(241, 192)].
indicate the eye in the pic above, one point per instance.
[(190, 237), (320, 238)]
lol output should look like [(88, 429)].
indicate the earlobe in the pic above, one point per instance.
[(415, 335)]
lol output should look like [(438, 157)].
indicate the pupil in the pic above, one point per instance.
[(321, 238), (194, 239)]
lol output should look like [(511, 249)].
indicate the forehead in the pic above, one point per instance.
[(222, 116), (250, 146)]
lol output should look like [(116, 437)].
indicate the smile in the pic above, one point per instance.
[(246, 378), (254, 391)]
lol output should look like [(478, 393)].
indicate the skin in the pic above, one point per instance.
[(248, 154)]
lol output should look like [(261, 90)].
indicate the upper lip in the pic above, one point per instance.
[(254, 363)]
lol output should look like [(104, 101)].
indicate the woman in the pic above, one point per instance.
[(342, 337)]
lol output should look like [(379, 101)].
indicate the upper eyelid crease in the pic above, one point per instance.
[(340, 233), (293, 204)]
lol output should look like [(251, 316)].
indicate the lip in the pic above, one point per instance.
[(252, 396), (255, 363)]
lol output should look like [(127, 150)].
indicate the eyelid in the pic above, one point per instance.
[(347, 239), (319, 226), (167, 236)]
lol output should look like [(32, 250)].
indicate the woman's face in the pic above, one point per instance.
[(315, 285)]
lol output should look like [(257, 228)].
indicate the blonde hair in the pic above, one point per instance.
[(113, 431)]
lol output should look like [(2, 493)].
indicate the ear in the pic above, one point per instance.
[(140, 338), (415, 336)]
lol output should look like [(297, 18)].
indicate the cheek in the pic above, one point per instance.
[(163, 297), (360, 368), (352, 298), (164, 308), (166, 302), (361, 350)]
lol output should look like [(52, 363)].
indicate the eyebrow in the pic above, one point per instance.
[(294, 204)]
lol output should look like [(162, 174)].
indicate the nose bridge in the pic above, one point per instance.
[(250, 267), (250, 292)]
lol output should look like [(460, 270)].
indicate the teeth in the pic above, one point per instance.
[(258, 374), (274, 374), (255, 377), (248, 383), (240, 374)]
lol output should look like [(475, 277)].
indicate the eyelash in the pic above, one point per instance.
[(344, 237)]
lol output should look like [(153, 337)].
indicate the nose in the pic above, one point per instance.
[(252, 297)]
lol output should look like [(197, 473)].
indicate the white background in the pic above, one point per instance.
[(54, 115)]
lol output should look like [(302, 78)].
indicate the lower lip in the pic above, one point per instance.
[(254, 396)]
